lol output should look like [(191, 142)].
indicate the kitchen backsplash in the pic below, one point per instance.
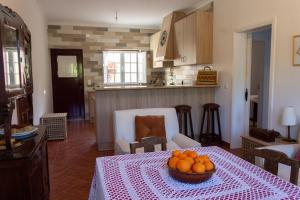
[(187, 74)]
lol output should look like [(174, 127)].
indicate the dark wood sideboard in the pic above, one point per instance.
[(24, 171)]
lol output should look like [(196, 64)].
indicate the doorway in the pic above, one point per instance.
[(259, 77), (67, 82), (241, 82)]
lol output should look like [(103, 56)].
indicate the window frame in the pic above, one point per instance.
[(122, 68)]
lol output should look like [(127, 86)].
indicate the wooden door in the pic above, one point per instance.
[(179, 42), (67, 82), (190, 25)]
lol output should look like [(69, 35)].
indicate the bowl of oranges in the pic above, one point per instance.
[(189, 167)]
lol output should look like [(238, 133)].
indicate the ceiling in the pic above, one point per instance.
[(131, 13)]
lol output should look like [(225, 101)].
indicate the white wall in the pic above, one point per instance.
[(233, 15), (32, 14)]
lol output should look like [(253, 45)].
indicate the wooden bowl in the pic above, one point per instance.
[(192, 177)]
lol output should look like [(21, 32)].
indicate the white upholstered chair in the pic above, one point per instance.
[(124, 129), (290, 150)]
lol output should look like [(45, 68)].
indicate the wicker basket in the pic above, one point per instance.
[(207, 76), (56, 124)]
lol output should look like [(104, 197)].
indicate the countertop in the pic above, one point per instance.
[(27, 148), (143, 87)]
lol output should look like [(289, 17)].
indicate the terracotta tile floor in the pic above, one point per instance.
[(72, 162)]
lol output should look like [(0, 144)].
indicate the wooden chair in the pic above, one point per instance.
[(272, 160), (148, 143)]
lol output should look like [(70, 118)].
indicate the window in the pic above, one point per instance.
[(67, 67), (124, 67)]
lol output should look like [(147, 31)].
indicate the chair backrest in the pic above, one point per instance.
[(272, 160), (124, 122), (149, 144)]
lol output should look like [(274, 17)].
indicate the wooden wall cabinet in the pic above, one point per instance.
[(24, 172), (193, 39)]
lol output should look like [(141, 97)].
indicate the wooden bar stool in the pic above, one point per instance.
[(183, 113), (209, 111)]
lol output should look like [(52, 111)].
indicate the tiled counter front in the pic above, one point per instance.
[(93, 40), (107, 101)]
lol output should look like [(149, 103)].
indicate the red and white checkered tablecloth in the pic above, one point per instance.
[(145, 176)]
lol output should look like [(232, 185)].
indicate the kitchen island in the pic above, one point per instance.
[(111, 98)]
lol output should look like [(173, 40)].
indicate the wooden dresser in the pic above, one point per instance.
[(24, 172)]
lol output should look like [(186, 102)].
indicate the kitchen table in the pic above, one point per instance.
[(145, 176)]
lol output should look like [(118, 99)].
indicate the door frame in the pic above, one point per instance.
[(77, 52), (241, 78)]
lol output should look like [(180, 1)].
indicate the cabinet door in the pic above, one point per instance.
[(189, 39), (179, 42), (154, 41), (204, 38), (46, 184), (36, 175)]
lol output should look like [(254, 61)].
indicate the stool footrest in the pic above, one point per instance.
[(209, 135)]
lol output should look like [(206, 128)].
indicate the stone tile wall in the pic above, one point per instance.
[(93, 40)]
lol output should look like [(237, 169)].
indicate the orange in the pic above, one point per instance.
[(176, 153), (183, 165), (199, 159), (193, 154), (198, 168), (187, 152), (208, 166), (190, 172), (182, 156), (191, 160), (172, 162), (205, 157)]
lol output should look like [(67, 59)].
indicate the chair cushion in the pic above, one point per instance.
[(171, 145), (149, 125), (124, 122)]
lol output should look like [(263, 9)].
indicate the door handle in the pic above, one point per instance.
[(246, 94)]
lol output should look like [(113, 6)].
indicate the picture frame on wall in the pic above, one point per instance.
[(296, 50)]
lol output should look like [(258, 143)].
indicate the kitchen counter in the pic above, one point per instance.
[(143, 87), (111, 98)]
